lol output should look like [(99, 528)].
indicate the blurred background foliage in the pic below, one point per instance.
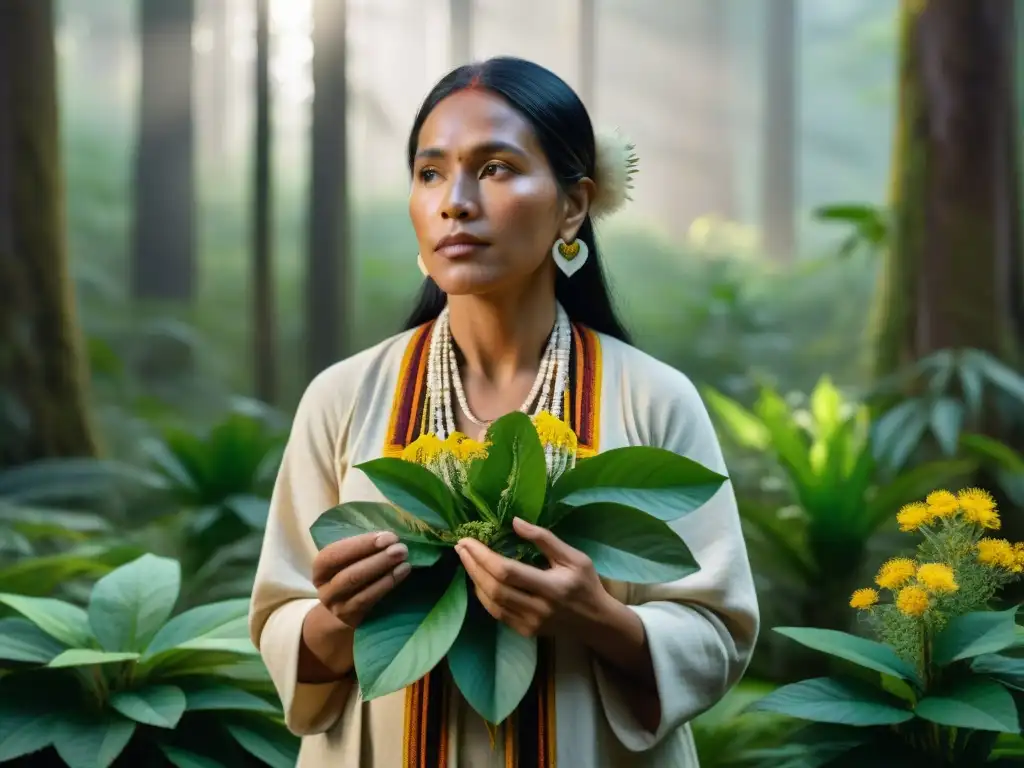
[(845, 288)]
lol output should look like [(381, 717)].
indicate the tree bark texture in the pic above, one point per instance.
[(781, 128), (328, 290), (163, 253), (43, 411), (952, 276)]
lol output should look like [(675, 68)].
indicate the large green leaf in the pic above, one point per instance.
[(626, 544), (742, 425), (95, 741), (273, 745), (414, 489), (181, 758), (21, 640), (87, 657), (128, 606), (226, 697), (492, 664), (355, 518), (513, 479), (827, 700), (1009, 671), (410, 630), (656, 481), (62, 621), (44, 575), (789, 441), (158, 705), (23, 730), (974, 634), (859, 650), (214, 620), (980, 704)]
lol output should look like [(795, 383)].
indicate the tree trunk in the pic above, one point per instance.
[(163, 256), (708, 101), (781, 128), (42, 400), (328, 290), (264, 347), (952, 277), (952, 274)]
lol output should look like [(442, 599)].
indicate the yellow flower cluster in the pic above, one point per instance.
[(554, 432), (427, 449), (974, 505), (913, 585), (916, 585), (999, 553), (464, 448)]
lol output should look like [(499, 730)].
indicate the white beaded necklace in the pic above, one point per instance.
[(547, 393)]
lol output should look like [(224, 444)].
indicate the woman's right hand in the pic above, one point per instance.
[(350, 576)]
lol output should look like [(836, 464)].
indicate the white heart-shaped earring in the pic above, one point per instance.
[(422, 265), (570, 257)]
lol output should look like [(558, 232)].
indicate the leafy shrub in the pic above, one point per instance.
[(124, 683), (943, 688)]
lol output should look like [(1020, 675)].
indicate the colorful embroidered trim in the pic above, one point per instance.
[(407, 406), (530, 732)]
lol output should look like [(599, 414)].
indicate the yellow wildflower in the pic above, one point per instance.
[(554, 432), (979, 507), (937, 577), (996, 553), (864, 598), (912, 601), (464, 448), (942, 504), (424, 449), (1018, 558), (895, 573), (912, 516)]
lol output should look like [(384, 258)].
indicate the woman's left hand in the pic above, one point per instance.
[(567, 596)]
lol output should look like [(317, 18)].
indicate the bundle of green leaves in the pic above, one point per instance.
[(941, 686), (614, 506), (125, 681)]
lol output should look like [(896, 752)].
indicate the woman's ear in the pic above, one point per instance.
[(576, 205)]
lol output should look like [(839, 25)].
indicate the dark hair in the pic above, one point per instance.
[(562, 125)]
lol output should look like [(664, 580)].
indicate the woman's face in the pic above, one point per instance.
[(484, 203)]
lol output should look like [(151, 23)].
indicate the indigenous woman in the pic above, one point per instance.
[(514, 314)]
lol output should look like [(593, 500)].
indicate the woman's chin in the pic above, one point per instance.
[(470, 280)]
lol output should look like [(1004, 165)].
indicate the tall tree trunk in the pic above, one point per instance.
[(264, 348), (708, 188), (214, 84), (781, 128), (952, 277), (42, 391), (163, 254), (460, 31), (328, 289), (956, 241)]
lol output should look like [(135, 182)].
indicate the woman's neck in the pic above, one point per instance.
[(500, 338)]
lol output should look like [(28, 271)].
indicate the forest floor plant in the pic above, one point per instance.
[(125, 683), (941, 686)]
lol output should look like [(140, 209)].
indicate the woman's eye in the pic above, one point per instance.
[(427, 175), (493, 169)]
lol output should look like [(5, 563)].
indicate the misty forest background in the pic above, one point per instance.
[(203, 204)]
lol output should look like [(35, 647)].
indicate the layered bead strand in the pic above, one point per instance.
[(443, 378)]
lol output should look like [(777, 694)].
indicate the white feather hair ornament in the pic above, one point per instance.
[(615, 165)]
